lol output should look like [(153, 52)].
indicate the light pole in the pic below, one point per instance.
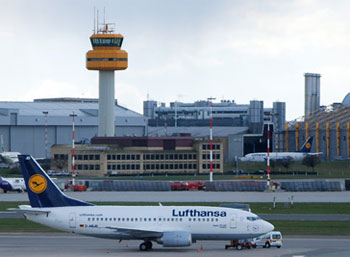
[(45, 113), (268, 154), (73, 148), (210, 99)]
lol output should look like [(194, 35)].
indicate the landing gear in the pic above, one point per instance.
[(146, 246)]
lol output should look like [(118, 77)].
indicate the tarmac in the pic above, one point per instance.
[(198, 196), (63, 244)]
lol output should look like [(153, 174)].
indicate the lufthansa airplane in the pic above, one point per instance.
[(171, 226), (296, 156)]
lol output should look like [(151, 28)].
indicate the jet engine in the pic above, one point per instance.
[(176, 238)]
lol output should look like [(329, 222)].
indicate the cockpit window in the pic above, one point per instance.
[(253, 218)]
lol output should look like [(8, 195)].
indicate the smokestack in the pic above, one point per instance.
[(312, 92)]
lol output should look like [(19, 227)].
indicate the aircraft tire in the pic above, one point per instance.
[(143, 247)]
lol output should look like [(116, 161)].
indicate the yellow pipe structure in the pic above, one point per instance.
[(307, 131), (286, 137), (317, 137), (348, 137), (338, 138), (296, 136), (327, 139)]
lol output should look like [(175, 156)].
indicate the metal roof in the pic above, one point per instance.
[(82, 109)]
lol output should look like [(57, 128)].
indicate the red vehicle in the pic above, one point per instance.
[(240, 244)]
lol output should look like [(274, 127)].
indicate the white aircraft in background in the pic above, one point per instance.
[(12, 184), (10, 158), (171, 226), (296, 156)]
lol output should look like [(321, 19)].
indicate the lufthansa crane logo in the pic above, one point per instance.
[(308, 145), (37, 183)]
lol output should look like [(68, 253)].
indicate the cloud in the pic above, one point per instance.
[(50, 88), (129, 96)]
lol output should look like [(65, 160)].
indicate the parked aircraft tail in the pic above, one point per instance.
[(306, 147), (42, 191)]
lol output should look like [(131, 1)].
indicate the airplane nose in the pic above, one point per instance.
[(268, 227)]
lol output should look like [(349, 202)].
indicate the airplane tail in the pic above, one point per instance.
[(306, 147), (42, 191)]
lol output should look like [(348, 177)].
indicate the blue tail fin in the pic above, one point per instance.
[(306, 147), (42, 192)]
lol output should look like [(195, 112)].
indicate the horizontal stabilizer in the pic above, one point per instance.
[(28, 209)]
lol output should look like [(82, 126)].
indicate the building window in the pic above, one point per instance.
[(109, 157), (91, 157), (204, 147), (97, 157), (97, 167)]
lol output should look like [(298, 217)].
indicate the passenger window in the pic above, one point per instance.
[(93, 219), (154, 219), (127, 219), (97, 219), (88, 219), (131, 219), (149, 219), (145, 219), (123, 219), (114, 219)]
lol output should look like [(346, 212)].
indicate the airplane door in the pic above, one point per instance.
[(72, 220), (233, 221)]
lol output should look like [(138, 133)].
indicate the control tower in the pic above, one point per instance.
[(106, 57)]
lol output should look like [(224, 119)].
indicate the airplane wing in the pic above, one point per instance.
[(138, 233)]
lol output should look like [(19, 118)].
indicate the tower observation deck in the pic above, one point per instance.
[(106, 57)]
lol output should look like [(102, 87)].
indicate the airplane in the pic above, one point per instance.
[(296, 156), (10, 158), (170, 226), (12, 184)]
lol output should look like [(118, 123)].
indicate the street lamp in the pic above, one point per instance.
[(210, 99), (45, 113), (73, 148)]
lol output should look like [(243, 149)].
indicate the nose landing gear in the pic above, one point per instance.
[(146, 246)]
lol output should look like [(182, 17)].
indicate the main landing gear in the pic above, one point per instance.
[(146, 246)]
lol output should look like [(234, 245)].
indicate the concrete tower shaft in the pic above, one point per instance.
[(106, 57), (312, 92)]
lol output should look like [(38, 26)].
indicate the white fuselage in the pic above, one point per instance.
[(17, 184), (203, 223), (261, 157)]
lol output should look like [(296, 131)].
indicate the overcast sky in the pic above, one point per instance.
[(182, 50)]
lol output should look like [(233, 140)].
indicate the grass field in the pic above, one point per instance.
[(286, 227)]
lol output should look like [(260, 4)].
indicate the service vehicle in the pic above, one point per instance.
[(273, 238)]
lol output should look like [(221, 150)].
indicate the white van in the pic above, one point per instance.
[(273, 238)]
